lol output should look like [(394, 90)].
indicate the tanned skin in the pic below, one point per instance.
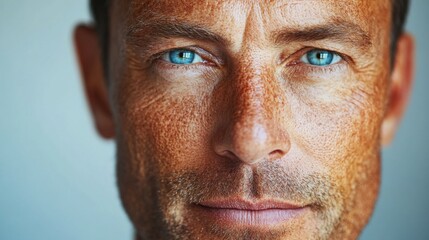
[(252, 122)]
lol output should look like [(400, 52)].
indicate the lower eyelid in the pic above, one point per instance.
[(167, 65), (306, 69)]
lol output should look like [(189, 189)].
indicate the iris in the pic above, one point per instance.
[(320, 57), (182, 56)]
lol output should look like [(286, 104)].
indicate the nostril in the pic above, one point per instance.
[(276, 154), (251, 142), (229, 154)]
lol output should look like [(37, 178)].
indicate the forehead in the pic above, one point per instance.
[(294, 13)]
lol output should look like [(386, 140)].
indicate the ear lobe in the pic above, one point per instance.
[(400, 87), (89, 57)]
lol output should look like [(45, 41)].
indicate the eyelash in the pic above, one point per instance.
[(157, 58), (299, 67), (303, 69), (300, 53)]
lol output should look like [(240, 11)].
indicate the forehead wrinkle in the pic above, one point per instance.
[(163, 21), (253, 26), (253, 13), (338, 30)]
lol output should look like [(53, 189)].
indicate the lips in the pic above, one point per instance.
[(242, 212), (241, 204)]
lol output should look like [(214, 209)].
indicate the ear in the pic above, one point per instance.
[(89, 57), (400, 88)]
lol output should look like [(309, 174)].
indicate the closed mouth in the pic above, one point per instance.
[(237, 211)]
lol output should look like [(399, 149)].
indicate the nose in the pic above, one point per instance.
[(254, 128)]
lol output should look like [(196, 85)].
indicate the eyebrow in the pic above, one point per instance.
[(170, 29), (340, 31)]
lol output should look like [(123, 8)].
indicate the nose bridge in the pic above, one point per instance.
[(249, 93), (254, 132)]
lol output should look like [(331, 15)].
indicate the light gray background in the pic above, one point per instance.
[(57, 176)]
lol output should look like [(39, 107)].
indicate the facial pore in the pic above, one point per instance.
[(253, 120)]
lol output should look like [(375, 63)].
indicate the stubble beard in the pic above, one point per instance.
[(175, 192)]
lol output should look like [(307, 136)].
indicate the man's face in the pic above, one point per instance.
[(249, 119)]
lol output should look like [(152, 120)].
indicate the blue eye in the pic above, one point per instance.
[(320, 57), (182, 57)]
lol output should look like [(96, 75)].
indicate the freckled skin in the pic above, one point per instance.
[(260, 125)]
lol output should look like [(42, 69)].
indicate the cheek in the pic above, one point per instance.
[(339, 126), (161, 133), (335, 122), (171, 132)]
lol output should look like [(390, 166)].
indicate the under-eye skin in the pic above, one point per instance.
[(182, 57), (320, 57)]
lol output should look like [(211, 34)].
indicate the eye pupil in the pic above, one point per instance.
[(320, 57), (181, 56)]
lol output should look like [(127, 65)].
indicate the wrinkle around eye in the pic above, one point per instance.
[(303, 72), (211, 54), (348, 56), (204, 73)]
